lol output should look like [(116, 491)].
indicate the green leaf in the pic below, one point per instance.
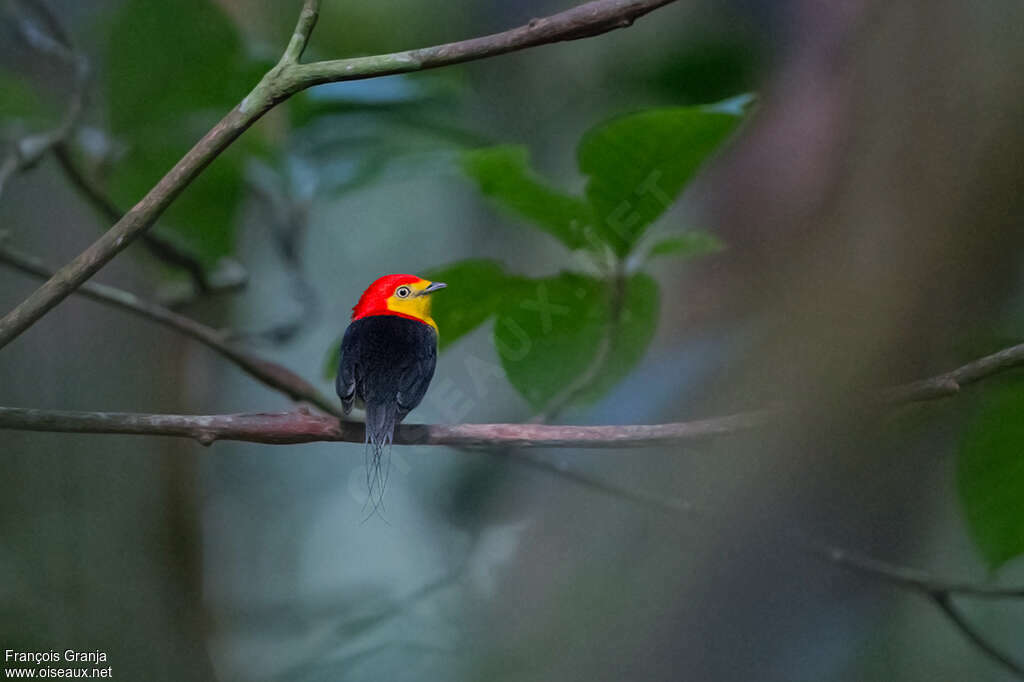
[(503, 173), (637, 323), (549, 334), (990, 475), (638, 164), (688, 245), (475, 291)]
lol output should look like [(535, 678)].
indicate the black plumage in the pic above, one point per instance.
[(387, 362)]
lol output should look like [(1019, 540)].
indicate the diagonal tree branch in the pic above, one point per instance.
[(268, 373), (946, 605), (901, 576), (281, 82)]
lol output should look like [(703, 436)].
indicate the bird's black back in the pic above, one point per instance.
[(386, 361)]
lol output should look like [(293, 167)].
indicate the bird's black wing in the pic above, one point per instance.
[(348, 369), (416, 375)]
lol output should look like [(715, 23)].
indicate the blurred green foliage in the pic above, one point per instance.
[(693, 243), (708, 68), (169, 60), (990, 474), (173, 70), (18, 100)]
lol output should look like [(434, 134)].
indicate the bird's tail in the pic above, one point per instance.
[(380, 430)]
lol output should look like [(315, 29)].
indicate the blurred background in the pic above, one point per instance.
[(857, 224)]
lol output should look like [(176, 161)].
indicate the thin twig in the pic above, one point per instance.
[(280, 83), (893, 574), (940, 591), (269, 373), (30, 149), (908, 577), (287, 219), (945, 603), (162, 249), (561, 468), (57, 41)]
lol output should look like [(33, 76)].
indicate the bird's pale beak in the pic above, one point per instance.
[(434, 286)]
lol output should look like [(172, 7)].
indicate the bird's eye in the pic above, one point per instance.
[(403, 292)]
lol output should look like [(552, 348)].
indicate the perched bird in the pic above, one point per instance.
[(387, 359)]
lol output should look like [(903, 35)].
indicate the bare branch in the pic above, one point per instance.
[(300, 427), (297, 427), (30, 149), (268, 373), (286, 79)]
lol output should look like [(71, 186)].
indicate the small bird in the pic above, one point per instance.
[(387, 359)]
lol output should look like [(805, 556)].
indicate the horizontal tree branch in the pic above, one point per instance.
[(281, 82), (301, 427), (268, 373)]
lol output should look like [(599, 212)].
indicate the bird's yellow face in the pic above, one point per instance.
[(413, 299)]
